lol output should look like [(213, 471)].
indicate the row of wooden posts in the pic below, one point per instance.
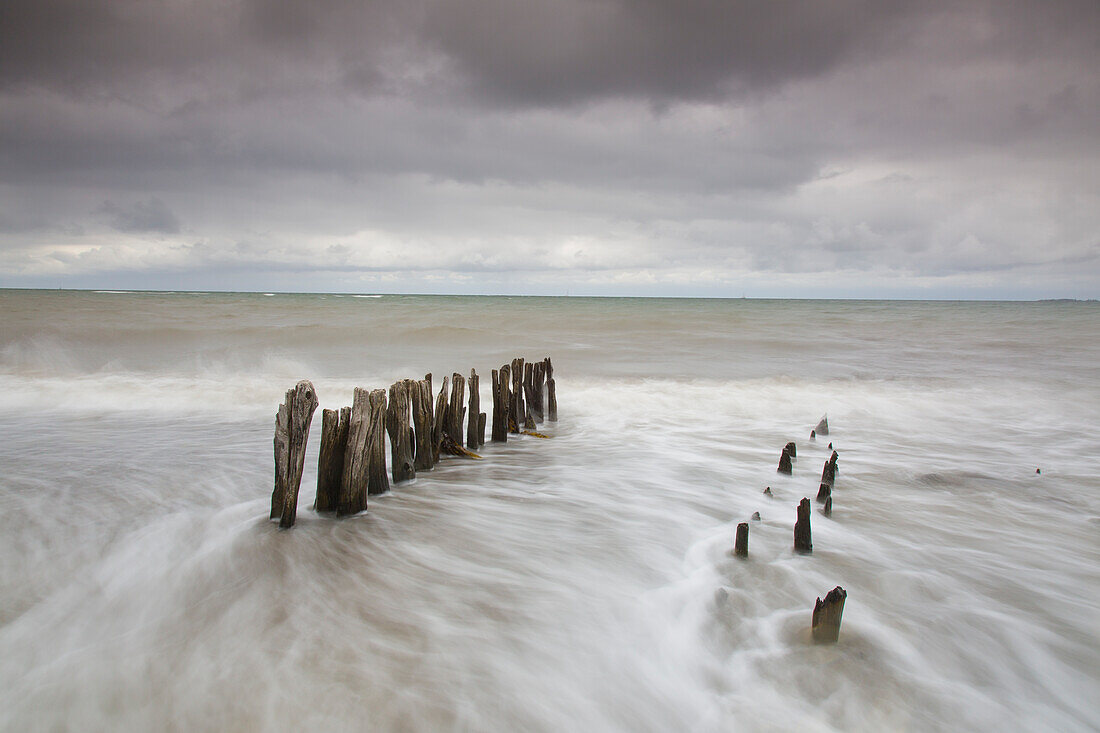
[(352, 462), (825, 624)]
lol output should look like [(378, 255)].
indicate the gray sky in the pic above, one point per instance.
[(651, 147)]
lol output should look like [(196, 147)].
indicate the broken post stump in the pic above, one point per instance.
[(330, 460), (378, 481), (502, 404), (353, 482), (802, 541), (473, 437), (291, 433), (823, 426), (828, 510), (518, 411), (785, 462), (825, 625), (813, 435), (790, 447), (402, 438), (828, 473), (551, 394), (422, 423), (741, 544), (824, 491), (755, 516)]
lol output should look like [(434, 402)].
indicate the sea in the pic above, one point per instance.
[(584, 581)]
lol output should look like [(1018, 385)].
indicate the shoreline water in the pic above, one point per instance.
[(570, 583)]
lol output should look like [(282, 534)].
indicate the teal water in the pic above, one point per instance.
[(583, 582)]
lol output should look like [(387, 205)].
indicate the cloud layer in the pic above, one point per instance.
[(582, 146)]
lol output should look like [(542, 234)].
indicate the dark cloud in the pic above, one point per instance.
[(151, 215)]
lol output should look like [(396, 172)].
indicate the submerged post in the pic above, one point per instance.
[(825, 625), (792, 449), (785, 462), (822, 426), (291, 433), (741, 543), (802, 541), (330, 461)]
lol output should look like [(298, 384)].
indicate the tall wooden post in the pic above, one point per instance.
[(802, 542), (422, 424), (518, 414), (378, 480), (551, 395), (330, 461), (291, 433), (401, 437), (353, 482), (440, 419), (474, 437), (455, 409), (502, 404)]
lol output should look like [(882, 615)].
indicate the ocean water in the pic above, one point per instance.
[(581, 583)]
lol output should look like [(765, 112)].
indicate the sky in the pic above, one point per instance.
[(823, 148)]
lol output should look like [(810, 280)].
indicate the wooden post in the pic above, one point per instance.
[(378, 481), (825, 625), (502, 404), (828, 473), (551, 396), (401, 437), (330, 462), (473, 439), (741, 544), (291, 433), (828, 510), (785, 462), (455, 409), (423, 423), (529, 393), (440, 418), (518, 413), (481, 429), (353, 482), (823, 426), (802, 541), (824, 491), (792, 449)]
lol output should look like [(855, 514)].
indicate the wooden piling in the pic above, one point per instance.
[(291, 433), (824, 491), (353, 482), (551, 395), (828, 473), (440, 418), (828, 510), (481, 429), (502, 404), (518, 413), (825, 625), (456, 411), (423, 424), (792, 449), (785, 462), (529, 395), (402, 438), (741, 544), (330, 460), (822, 426), (378, 480), (802, 542), (474, 437)]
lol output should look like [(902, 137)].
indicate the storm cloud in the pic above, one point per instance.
[(585, 146)]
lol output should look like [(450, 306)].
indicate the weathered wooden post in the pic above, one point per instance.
[(401, 437), (824, 491), (475, 430), (378, 481), (353, 482), (330, 461), (802, 541), (518, 413), (291, 434), (529, 392), (741, 544), (455, 409), (828, 510), (423, 423), (502, 404), (440, 419), (792, 449), (551, 395), (813, 435), (823, 426), (828, 473), (785, 462), (825, 625)]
